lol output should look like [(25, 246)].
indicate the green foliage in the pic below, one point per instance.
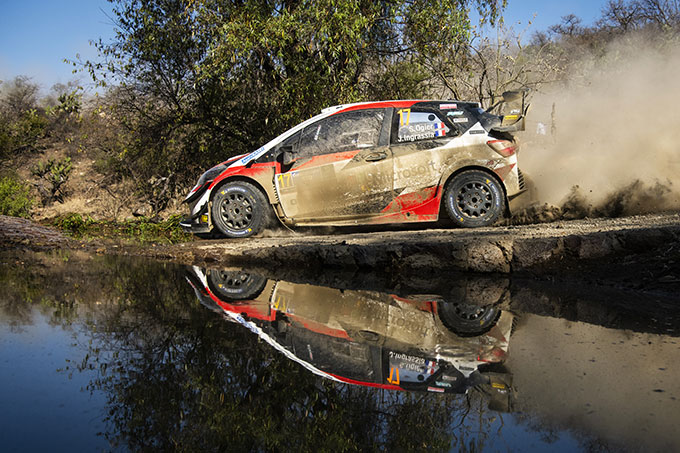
[(70, 103), (15, 198), (64, 114), (141, 229), (22, 133), (31, 126), (147, 230), (55, 173), (22, 123), (73, 224), (6, 139)]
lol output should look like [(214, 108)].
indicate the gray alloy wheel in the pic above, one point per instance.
[(468, 320), (474, 198), (232, 286), (240, 210)]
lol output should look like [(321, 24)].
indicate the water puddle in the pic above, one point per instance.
[(108, 353)]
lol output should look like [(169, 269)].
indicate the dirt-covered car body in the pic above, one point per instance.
[(367, 163)]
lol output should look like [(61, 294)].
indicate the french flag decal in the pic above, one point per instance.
[(431, 366), (439, 129)]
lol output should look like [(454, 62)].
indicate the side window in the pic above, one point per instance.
[(272, 154), (342, 132), (290, 141), (413, 125)]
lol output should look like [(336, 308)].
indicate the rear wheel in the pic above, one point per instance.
[(240, 210), (474, 198), (468, 319)]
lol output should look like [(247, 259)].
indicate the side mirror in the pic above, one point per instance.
[(288, 154)]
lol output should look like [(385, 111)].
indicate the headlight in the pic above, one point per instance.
[(204, 181), (210, 175)]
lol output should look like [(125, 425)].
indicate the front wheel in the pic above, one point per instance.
[(232, 286), (240, 210), (474, 198)]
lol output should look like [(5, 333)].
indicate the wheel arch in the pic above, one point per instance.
[(241, 178)]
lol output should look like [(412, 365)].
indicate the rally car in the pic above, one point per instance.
[(369, 163), (368, 338)]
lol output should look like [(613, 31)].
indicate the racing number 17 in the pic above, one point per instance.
[(404, 117), (285, 180)]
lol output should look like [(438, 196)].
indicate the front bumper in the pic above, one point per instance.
[(198, 222), (190, 226)]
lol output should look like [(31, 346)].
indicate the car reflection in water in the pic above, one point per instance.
[(420, 343)]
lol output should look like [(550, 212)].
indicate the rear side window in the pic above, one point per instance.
[(413, 125), (342, 132)]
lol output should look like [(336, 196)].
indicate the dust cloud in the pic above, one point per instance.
[(611, 142)]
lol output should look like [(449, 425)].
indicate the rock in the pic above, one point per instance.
[(486, 257)]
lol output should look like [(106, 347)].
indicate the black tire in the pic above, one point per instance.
[(474, 198), (232, 286), (240, 210), (468, 320)]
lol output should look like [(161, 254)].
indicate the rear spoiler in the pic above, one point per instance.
[(515, 120)]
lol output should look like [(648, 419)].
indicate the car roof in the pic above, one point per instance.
[(405, 103)]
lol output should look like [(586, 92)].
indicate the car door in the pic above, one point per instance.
[(342, 169), (417, 135)]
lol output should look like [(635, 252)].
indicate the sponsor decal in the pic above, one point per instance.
[(442, 384), (406, 357), (477, 131), (409, 366), (511, 117), (252, 156), (455, 113), (435, 389), (448, 106), (421, 131), (460, 120)]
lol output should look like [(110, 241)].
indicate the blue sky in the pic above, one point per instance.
[(36, 35), (549, 12)]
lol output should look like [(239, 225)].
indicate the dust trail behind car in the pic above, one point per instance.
[(607, 143)]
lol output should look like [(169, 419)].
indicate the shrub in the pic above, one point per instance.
[(74, 224), (15, 198), (55, 173)]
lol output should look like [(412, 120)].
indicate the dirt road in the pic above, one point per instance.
[(641, 252), (498, 249)]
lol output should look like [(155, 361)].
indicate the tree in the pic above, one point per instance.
[(570, 26), (22, 122), (18, 96), (620, 15), (486, 66)]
